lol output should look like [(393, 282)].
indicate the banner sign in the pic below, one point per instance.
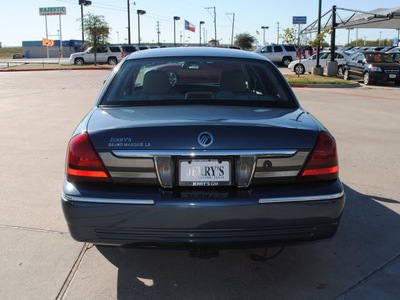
[(52, 11), (48, 43), (299, 20)]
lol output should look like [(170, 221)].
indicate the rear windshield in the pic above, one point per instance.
[(129, 49), (290, 48), (198, 80), (115, 49), (379, 57)]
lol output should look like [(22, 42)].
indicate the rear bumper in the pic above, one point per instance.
[(153, 217)]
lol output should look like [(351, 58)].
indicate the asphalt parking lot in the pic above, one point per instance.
[(40, 260)]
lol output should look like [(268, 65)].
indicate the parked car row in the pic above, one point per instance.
[(111, 55), (371, 66), (366, 48)]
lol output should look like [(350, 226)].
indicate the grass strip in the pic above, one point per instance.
[(314, 79)]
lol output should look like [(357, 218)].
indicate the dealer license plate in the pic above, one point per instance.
[(204, 172), (392, 75)]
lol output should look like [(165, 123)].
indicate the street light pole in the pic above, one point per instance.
[(233, 25), (83, 3), (201, 22), (139, 12), (176, 18), (83, 34), (263, 28), (129, 24)]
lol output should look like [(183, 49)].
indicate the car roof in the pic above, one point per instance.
[(195, 52)]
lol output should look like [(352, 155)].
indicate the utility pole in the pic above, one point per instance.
[(233, 25), (277, 38), (215, 24), (158, 32)]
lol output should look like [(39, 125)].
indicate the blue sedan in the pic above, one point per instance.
[(200, 148)]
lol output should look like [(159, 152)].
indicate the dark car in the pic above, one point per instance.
[(372, 67), (395, 56), (218, 161)]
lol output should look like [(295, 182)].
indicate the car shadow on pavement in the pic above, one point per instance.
[(367, 239)]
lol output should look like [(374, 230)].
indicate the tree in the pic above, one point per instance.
[(288, 36), (320, 38), (97, 31), (244, 40)]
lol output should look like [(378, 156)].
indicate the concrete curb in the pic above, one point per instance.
[(327, 86)]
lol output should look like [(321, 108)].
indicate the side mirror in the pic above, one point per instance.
[(360, 62)]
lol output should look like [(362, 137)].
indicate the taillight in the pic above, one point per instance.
[(83, 163), (323, 161)]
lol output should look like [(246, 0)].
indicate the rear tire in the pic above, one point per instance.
[(286, 61), (346, 75), (367, 78), (79, 61), (299, 69), (112, 61)]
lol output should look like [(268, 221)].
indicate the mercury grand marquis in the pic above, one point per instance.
[(173, 155)]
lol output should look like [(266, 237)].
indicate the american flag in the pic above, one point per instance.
[(257, 32), (189, 26)]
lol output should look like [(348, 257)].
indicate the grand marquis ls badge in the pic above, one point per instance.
[(205, 139)]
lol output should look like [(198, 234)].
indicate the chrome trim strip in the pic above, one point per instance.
[(107, 200), (300, 199), (276, 174), (134, 175), (111, 161), (152, 153)]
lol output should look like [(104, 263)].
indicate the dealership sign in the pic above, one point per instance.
[(52, 11), (299, 20)]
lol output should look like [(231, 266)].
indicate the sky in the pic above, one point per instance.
[(20, 20)]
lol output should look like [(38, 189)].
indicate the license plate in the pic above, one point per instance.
[(392, 75), (204, 172)]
